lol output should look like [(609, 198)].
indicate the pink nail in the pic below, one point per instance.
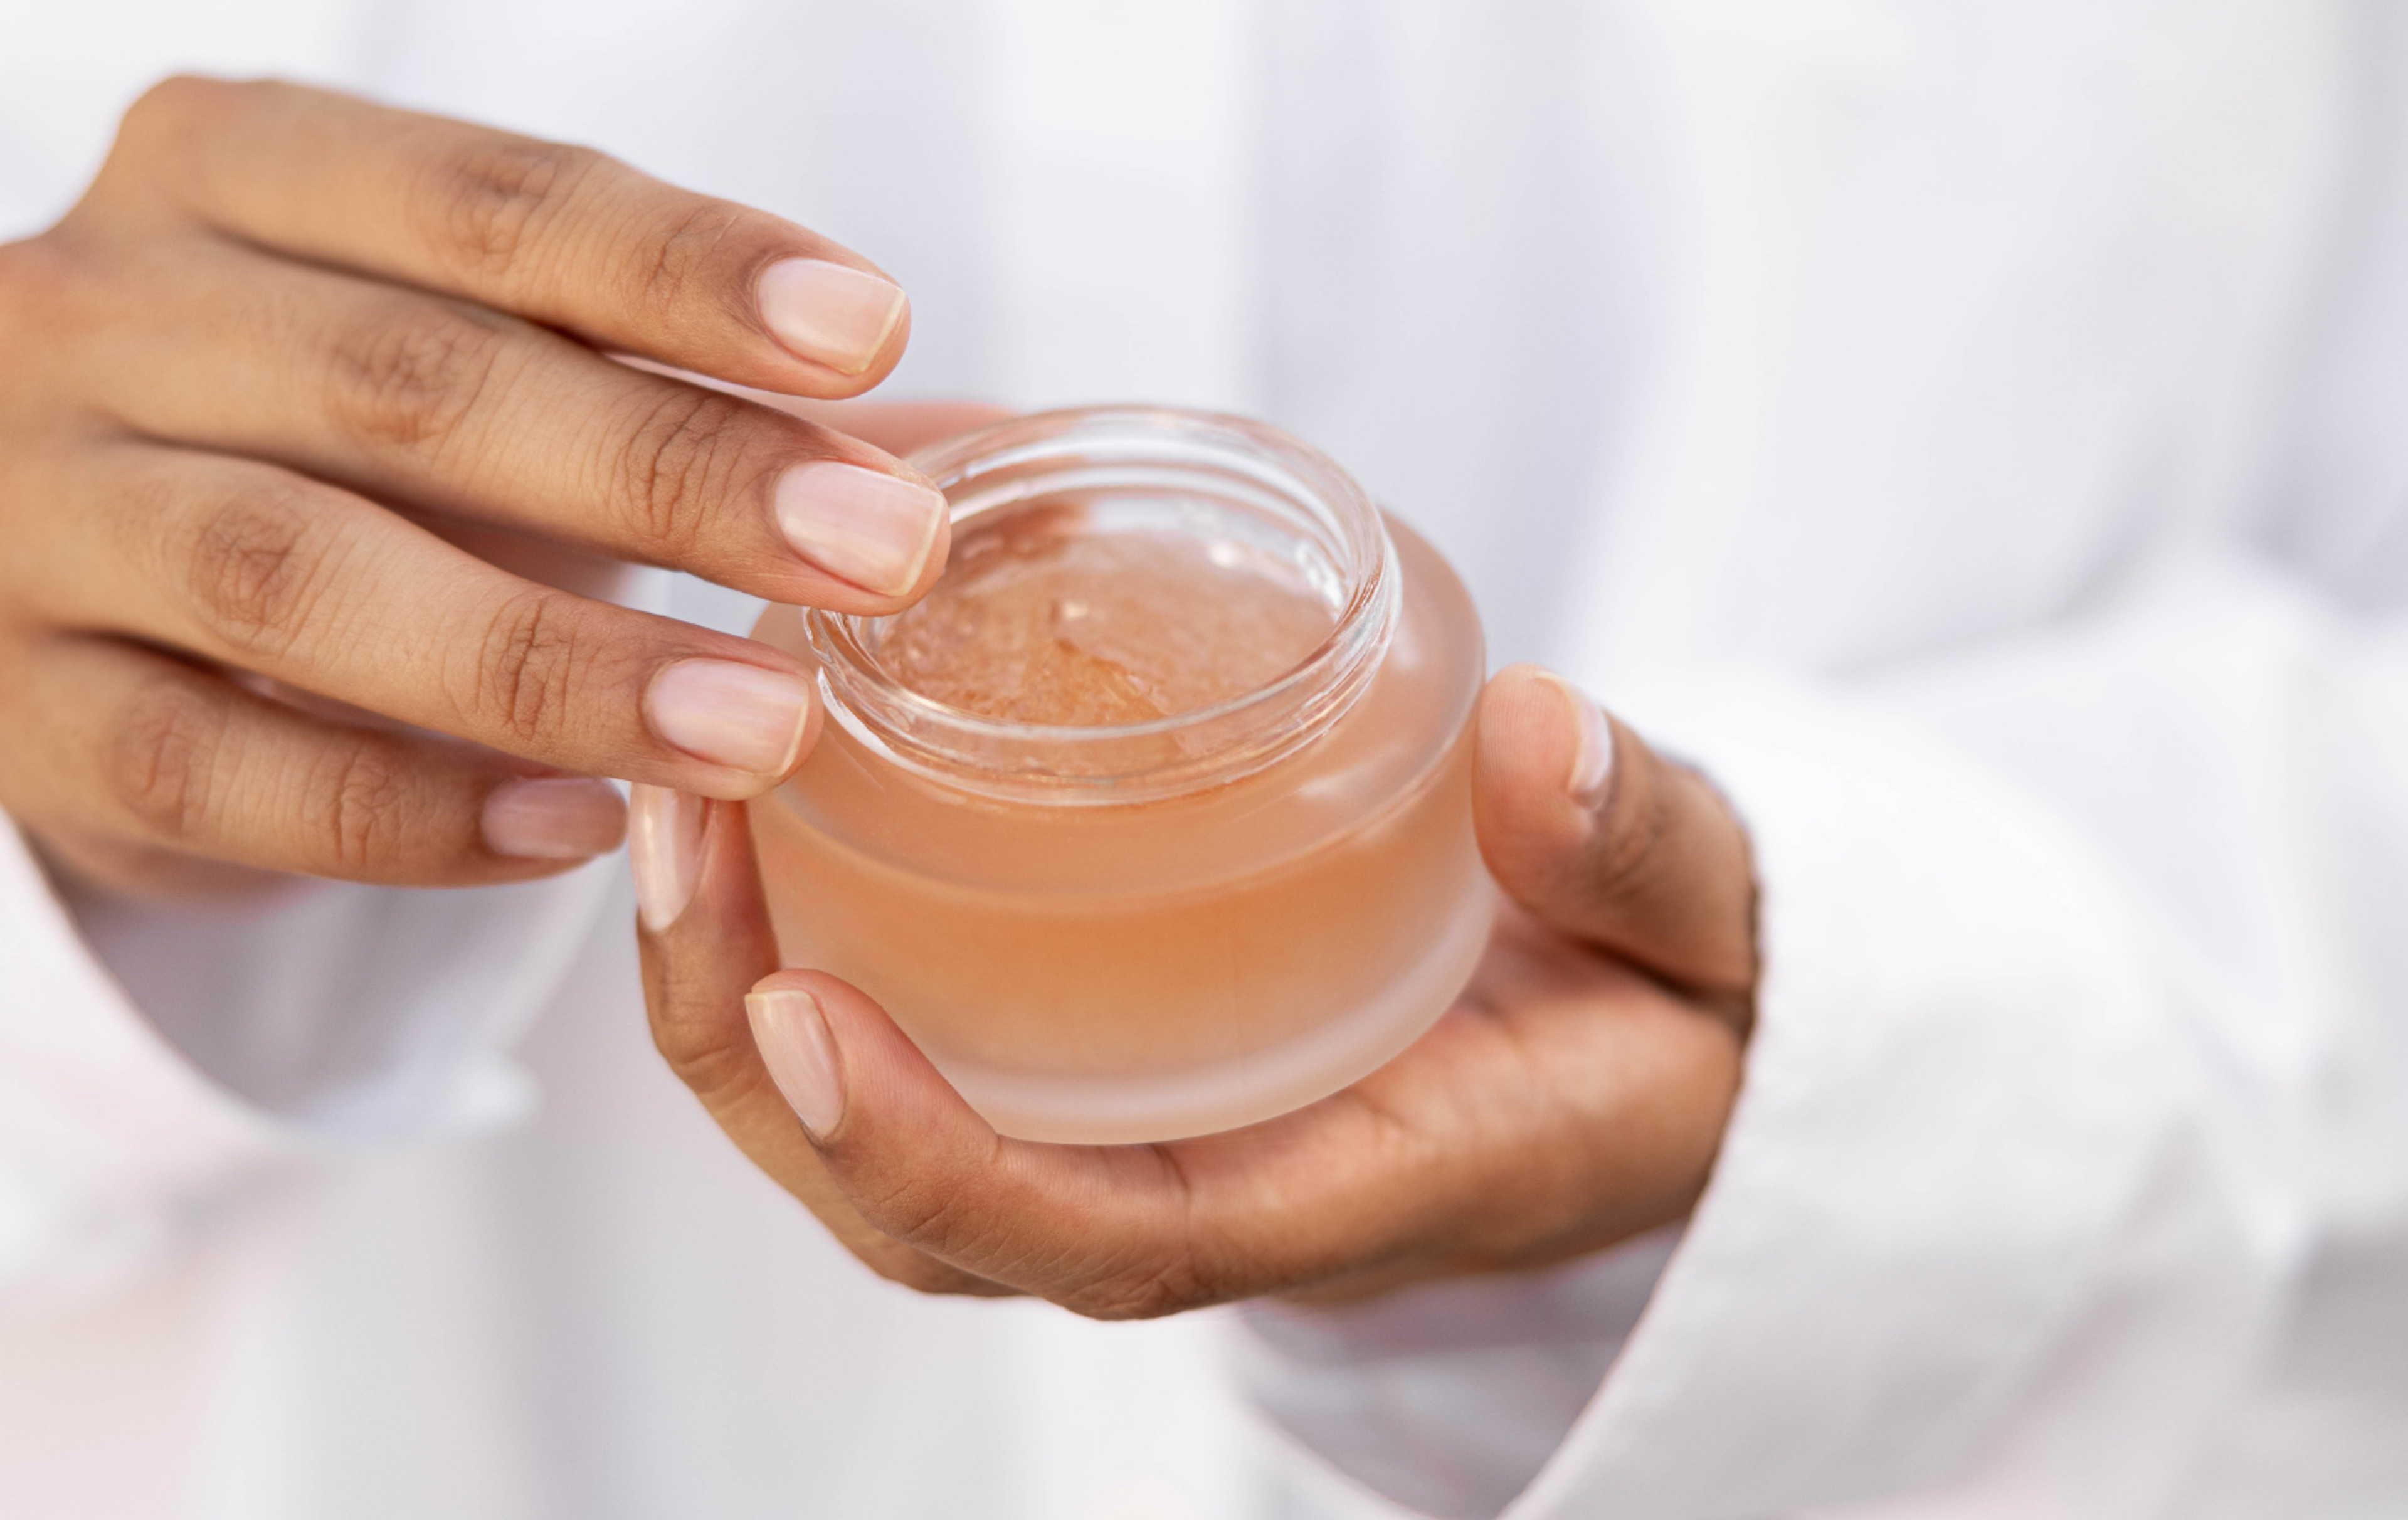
[(1592, 767), (795, 1043), (870, 528), (665, 850), (553, 818), (731, 713), (830, 312)]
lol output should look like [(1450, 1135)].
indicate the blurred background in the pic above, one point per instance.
[(1826, 334)]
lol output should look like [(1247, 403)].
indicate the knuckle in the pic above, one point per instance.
[(161, 151), (1630, 856), (182, 102), (255, 563), (907, 1268), (1165, 1288), (666, 267), (702, 1053), (678, 462), (160, 756), (162, 125), (492, 199), (921, 1212), (533, 653), (41, 288), (356, 809), (411, 373)]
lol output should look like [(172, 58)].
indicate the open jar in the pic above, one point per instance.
[(1154, 818)]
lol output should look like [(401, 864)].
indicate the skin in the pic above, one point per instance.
[(1574, 1098), (313, 469), (317, 456)]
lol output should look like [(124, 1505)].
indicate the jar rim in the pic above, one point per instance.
[(1208, 454)]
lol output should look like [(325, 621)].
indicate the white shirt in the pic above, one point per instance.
[(1971, 431)]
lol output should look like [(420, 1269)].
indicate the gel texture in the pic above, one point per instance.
[(1039, 619)]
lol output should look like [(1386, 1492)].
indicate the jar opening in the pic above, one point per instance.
[(1237, 492)]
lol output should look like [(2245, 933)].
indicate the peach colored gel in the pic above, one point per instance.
[(1173, 964), (1042, 620)]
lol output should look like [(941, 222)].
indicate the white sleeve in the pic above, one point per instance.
[(2080, 1015), (1445, 1397), (158, 1062), (91, 1106)]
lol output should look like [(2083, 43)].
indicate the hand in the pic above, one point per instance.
[(1573, 1097), (308, 445)]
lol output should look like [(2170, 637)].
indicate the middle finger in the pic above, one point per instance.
[(253, 567), (422, 400)]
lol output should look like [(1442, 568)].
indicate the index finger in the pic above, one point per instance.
[(562, 234)]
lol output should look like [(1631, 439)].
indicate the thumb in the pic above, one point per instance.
[(704, 937), (1603, 839)]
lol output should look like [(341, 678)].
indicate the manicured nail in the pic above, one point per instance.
[(796, 1046), (664, 849), (872, 528), (830, 312), (731, 713), (553, 818), (1593, 757)]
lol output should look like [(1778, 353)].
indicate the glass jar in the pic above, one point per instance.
[(1136, 931)]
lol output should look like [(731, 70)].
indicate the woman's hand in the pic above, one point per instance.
[(291, 395), (1575, 1096)]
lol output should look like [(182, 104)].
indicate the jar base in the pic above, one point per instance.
[(1248, 1089)]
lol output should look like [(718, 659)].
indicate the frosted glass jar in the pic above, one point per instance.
[(1143, 930)]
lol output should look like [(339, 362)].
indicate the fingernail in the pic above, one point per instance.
[(553, 818), (870, 528), (830, 312), (796, 1046), (665, 850), (1593, 757), (731, 713)]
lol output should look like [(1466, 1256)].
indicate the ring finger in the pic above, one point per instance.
[(145, 752)]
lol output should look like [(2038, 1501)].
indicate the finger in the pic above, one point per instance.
[(1603, 839), (1090, 1228), (705, 936), (249, 565), (171, 757), (1582, 1110), (898, 427), (560, 235), (443, 405), (1113, 1232)]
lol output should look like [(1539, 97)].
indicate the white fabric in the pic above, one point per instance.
[(1969, 431)]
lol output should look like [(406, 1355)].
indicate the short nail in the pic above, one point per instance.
[(731, 713), (872, 528), (795, 1043), (664, 849), (1593, 758), (830, 312), (553, 818)]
